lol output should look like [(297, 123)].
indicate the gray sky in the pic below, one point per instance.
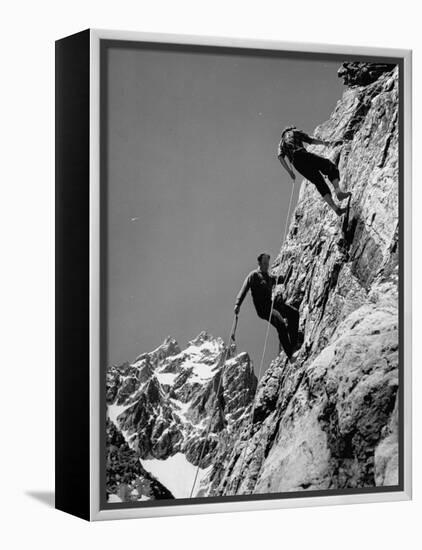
[(195, 187)]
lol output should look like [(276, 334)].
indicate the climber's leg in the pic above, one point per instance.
[(341, 195), (277, 321), (291, 314), (327, 167), (329, 200), (283, 335), (309, 165)]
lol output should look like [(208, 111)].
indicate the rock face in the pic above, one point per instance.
[(362, 73), (329, 421), (127, 480), (166, 401)]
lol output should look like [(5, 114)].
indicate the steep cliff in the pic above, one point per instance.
[(330, 419)]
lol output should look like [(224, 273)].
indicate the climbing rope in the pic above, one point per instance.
[(267, 332), (266, 337), (231, 340)]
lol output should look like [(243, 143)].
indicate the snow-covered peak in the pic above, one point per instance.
[(164, 401), (204, 337), (168, 348)]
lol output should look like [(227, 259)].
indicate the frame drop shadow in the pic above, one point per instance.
[(45, 497)]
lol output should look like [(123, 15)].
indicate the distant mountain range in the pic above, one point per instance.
[(162, 405)]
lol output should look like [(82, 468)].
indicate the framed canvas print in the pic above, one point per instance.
[(233, 274)]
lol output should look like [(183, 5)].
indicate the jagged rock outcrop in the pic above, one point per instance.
[(172, 401), (126, 479), (329, 421), (361, 73)]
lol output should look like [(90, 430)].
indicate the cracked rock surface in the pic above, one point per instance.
[(329, 421)]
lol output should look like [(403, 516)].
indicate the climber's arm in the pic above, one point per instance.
[(280, 280), (241, 296), (277, 280), (286, 166)]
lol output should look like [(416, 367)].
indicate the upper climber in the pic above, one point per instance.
[(311, 166), (261, 285)]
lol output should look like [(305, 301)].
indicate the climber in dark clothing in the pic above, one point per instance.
[(311, 166), (261, 284)]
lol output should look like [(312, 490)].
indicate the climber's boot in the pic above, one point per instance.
[(342, 195), (289, 353), (345, 223), (292, 359), (299, 341), (341, 211)]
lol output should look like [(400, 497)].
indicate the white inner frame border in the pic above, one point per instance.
[(96, 513)]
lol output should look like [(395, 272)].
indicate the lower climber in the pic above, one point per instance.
[(261, 284), (311, 166)]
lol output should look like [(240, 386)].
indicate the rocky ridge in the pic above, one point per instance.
[(165, 401), (126, 478)]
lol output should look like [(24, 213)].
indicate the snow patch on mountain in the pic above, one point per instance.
[(177, 474), (173, 407)]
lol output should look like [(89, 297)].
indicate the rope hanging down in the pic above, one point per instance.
[(231, 340), (232, 333), (266, 335)]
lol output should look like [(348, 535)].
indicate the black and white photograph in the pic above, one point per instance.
[(251, 274), (210, 275)]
